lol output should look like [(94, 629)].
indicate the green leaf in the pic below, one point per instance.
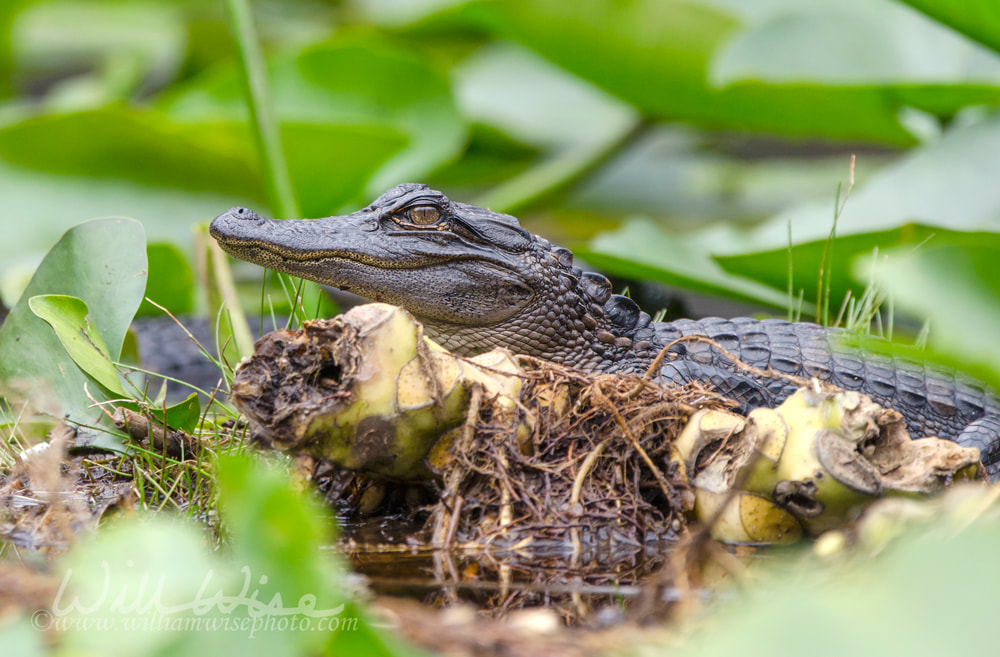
[(945, 191), (331, 164), (868, 606), (958, 289), (279, 533), (102, 262), (978, 19), (370, 78), (490, 156), (143, 146), (160, 553), (771, 267), (51, 203), (512, 89), (660, 55), (257, 501), (383, 94), (73, 36), (170, 282), (871, 43), (20, 638), (137, 145), (68, 316), (184, 415), (160, 579), (656, 54), (640, 249)]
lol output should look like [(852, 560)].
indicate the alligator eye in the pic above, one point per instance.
[(423, 215)]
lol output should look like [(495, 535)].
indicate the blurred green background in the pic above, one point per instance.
[(689, 142)]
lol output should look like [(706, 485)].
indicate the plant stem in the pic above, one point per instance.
[(556, 172), (261, 106), (230, 299), (791, 290)]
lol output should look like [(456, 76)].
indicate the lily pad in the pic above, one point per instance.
[(870, 43), (137, 145), (979, 19), (659, 56), (945, 192)]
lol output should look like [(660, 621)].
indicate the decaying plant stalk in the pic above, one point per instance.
[(366, 390)]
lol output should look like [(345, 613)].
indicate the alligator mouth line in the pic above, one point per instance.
[(246, 249), (249, 248)]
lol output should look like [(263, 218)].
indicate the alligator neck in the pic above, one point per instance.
[(574, 320)]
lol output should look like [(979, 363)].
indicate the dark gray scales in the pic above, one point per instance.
[(934, 401)]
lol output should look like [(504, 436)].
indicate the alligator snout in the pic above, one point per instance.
[(234, 222)]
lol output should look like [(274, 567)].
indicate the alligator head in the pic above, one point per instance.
[(473, 277)]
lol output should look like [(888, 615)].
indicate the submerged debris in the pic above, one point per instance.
[(47, 498)]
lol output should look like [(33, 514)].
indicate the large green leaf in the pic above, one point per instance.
[(330, 165), (945, 192), (640, 249), (958, 289), (152, 568), (51, 203), (771, 267), (657, 54), (687, 179), (102, 262), (512, 89), (136, 145), (979, 19), (358, 83), (876, 42), (279, 533)]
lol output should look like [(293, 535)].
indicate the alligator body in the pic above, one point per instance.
[(477, 280)]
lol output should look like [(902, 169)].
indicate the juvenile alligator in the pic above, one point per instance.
[(477, 280)]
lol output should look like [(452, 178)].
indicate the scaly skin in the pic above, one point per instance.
[(477, 280)]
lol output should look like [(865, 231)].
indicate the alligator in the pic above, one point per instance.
[(477, 280)]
